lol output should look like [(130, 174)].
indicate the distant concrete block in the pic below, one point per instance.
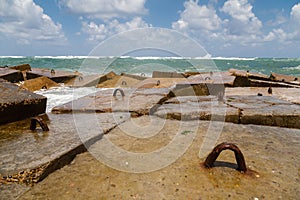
[(11, 75), (56, 75), (158, 74), (17, 104)]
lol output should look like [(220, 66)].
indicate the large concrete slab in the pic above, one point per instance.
[(11, 75), (29, 156), (160, 74), (137, 101), (197, 108), (38, 83), (285, 78), (270, 151), (225, 78), (288, 94), (58, 76), (266, 110), (261, 110), (17, 103)]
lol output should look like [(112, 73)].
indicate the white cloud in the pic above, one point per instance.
[(105, 9), (197, 17), (243, 20), (99, 32), (25, 21)]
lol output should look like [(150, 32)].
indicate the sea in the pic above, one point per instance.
[(145, 66)]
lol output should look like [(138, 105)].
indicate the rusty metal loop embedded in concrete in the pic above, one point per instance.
[(120, 90), (44, 87), (80, 78), (143, 74), (158, 82), (296, 79), (52, 71), (39, 120), (211, 158), (207, 78), (124, 83)]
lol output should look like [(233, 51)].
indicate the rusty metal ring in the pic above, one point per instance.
[(143, 74), (39, 120), (52, 71), (211, 158), (207, 78), (80, 78), (124, 83), (158, 82), (120, 90)]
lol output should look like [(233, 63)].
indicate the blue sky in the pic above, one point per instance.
[(227, 28)]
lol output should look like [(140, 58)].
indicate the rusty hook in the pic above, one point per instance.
[(158, 83), (120, 90), (39, 120), (211, 158)]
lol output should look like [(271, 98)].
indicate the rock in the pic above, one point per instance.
[(38, 83), (119, 81), (11, 75), (17, 103)]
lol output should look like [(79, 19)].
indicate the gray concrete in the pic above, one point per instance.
[(17, 103)]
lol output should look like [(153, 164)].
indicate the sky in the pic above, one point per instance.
[(224, 28)]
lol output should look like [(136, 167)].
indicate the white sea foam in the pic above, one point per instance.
[(60, 95), (232, 58), (12, 56)]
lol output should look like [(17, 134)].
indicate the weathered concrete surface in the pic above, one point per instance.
[(159, 74), (137, 101), (197, 108), (38, 83), (141, 78), (264, 110), (285, 78), (86, 80), (271, 151), (11, 75), (119, 81), (22, 149), (225, 78), (12, 191), (261, 110), (57, 75), (288, 94), (160, 82), (17, 103), (252, 75), (23, 67)]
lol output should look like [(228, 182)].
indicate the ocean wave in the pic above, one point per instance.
[(12, 56), (232, 58)]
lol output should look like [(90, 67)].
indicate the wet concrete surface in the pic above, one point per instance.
[(271, 155), (22, 148), (260, 110)]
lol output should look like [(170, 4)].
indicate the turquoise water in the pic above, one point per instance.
[(289, 66)]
